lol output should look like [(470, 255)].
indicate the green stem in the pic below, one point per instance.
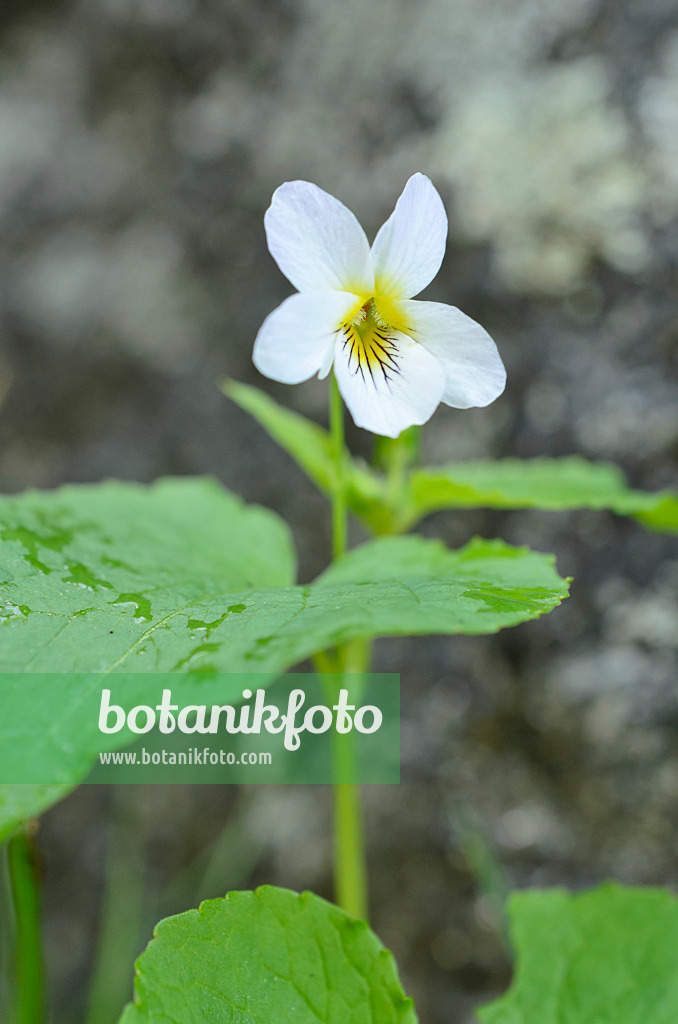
[(350, 861), (350, 871), (6, 937), (29, 1006), (339, 516), (349, 851), (395, 457)]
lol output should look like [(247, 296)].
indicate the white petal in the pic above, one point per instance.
[(388, 403), (297, 339), (316, 241), (474, 372), (410, 246)]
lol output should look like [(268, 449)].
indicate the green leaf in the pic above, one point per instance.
[(85, 572), (182, 577), (265, 956), (95, 577), (481, 588), (568, 483), (608, 956)]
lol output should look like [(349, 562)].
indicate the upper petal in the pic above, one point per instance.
[(297, 339), (409, 248), (316, 241), (388, 399), (474, 372)]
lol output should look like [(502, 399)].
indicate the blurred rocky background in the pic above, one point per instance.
[(140, 141)]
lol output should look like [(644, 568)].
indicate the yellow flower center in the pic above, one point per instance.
[(368, 338)]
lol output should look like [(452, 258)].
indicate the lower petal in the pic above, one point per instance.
[(390, 395), (474, 372), (297, 339)]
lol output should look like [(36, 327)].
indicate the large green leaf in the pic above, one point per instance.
[(114, 599), (608, 956), (265, 956), (86, 571), (182, 577), (94, 577), (567, 483)]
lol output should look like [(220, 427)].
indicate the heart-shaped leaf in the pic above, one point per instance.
[(263, 956), (182, 577), (608, 956)]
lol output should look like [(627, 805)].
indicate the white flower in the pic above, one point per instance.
[(394, 358)]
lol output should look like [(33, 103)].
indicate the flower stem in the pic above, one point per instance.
[(29, 1004), (350, 861), (350, 871), (395, 457), (349, 851), (339, 517)]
